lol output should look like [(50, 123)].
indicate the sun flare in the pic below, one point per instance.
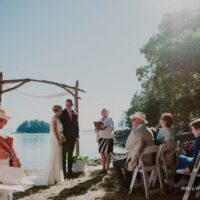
[(173, 5)]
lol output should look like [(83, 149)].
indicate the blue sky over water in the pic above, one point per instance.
[(95, 42)]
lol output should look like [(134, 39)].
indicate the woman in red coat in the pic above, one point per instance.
[(7, 152)]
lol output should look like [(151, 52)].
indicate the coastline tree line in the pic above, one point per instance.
[(170, 80)]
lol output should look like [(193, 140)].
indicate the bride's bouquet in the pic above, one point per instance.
[(63, 139)]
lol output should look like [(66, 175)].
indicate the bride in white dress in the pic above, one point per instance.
[(53, 174)]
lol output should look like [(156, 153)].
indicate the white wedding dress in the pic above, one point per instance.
[(53, 174)]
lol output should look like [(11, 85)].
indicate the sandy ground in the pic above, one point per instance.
[(90, 186)]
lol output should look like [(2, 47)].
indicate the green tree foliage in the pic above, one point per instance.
[(170, 81), (34, 126)]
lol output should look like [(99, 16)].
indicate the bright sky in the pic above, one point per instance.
[(95, 42)]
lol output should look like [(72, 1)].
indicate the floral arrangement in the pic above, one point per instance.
[(83, 158)]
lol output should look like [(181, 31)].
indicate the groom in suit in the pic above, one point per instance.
[(69, 120)]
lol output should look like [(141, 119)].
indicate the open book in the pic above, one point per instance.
[(98, 124)]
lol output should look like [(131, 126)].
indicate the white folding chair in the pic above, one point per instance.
[(4, 194), (195, 173), (11, 181), (166, 148), (154, 175), (144, 169)]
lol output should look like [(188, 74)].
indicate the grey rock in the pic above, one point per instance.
[(120, 136)]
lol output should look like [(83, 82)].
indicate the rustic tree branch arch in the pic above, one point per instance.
[(72, 90)]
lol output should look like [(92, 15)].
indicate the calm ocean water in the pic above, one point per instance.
[(33, 149)]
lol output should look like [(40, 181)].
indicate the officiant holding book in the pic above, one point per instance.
[(69, 120), (104, 128)]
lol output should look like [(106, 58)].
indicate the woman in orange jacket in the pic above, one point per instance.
[(7, 153)]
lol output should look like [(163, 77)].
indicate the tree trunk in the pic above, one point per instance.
[(1, 88), (76, 106)]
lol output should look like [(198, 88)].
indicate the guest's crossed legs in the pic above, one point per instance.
[(184, 162), (118, 166)]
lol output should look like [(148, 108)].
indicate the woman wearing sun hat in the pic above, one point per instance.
[(8, 155)]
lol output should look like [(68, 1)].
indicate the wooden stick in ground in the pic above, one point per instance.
[(1, 87), (76, 106)]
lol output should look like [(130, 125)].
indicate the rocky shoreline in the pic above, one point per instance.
[(120, 137), (97, 161)]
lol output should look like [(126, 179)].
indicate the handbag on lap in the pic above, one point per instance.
[(6, 147)]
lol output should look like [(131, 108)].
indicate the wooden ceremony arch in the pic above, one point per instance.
[(72, 90)]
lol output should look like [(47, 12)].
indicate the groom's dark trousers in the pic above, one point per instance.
[(71, 133)]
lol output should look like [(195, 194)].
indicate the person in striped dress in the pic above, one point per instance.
[(105, 139)]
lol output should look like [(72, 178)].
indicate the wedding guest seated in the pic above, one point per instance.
[(8, 156), (7, 153), (166, 133), (139, 138), (187, 163)]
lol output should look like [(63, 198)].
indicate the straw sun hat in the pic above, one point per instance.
[(139, 115), (3, 115)]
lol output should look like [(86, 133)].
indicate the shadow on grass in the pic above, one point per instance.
[(75, 175), (109, 186), (30, 191), (81, 188), (38, 189), (139, 194)]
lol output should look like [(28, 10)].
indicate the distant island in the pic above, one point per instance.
[(34, 126)]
